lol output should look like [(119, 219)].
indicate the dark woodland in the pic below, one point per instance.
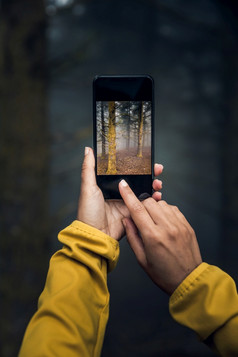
[(123, 138), (50, 51)]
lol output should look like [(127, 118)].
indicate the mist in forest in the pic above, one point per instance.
[(123, 137)]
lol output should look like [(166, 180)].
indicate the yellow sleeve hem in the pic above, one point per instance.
[(187, 283), (205, 301), (93, 231), (81, 235)]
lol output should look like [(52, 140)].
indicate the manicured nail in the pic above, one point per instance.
[(124, 183), (86, 150)]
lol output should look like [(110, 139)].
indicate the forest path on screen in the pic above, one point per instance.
[(127, 163)]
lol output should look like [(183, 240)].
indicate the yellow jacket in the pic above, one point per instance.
[(74, 305)]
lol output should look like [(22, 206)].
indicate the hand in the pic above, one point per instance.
[(94, 210), (163, 241)]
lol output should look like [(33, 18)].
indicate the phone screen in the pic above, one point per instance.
[(123, 121)]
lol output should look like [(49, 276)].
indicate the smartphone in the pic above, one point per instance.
[(123, 117)]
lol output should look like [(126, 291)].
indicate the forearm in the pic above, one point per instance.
[(207, 302), (73, 308)]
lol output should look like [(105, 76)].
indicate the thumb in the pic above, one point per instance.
[(88, 178), (135, 241)]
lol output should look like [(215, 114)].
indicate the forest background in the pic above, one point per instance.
[(50, 52)]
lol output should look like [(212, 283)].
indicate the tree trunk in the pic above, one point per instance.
[(24, 166), (111, 169), (103, 131), (140, 130), (144, 140), (229, 168), (128, 127)]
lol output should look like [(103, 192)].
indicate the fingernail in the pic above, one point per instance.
[(162, 166), (124, 183), (86, 150)]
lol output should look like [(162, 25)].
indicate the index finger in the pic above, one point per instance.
[(136, 208)]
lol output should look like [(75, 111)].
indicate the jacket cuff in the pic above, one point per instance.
[(187, 283), (81, 236), (201, 301)]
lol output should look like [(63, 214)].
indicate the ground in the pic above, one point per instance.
[(128, 163)]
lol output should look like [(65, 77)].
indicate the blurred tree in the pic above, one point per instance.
[(128, 125), (103, 131), (229, 10), (102, 128), (146, 140), (111, 168), (123, 125), (140, 131), (24, 162)]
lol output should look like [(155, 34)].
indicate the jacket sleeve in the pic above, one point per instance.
[(207, 302), (74, 305)]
